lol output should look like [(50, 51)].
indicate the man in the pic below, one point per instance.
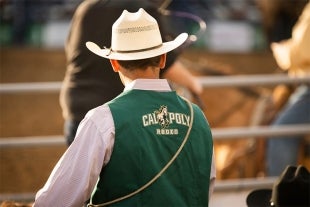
[(89, 82), (146, 147)]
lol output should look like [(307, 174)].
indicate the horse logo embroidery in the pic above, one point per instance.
[(162, 116)]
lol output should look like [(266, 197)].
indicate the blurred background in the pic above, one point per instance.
[(236, 41), (37, 23)]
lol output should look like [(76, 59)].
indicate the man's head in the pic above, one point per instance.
[(136, 36), (130, 70)]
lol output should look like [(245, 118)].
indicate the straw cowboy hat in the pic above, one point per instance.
[(294, 54), (291, 189), (136, 36)]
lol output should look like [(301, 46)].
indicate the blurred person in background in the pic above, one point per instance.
[(291, 103), (28, 16), (88, 82)]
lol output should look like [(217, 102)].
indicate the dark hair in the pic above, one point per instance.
[(140, 64)]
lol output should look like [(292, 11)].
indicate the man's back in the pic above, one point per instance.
[(146, 141)]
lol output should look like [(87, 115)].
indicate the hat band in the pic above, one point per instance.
[(141, 50)]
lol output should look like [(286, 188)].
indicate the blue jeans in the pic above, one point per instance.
[(70, 128), (283, 151)]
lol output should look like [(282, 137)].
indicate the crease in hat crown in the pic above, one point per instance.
[(133, 32)]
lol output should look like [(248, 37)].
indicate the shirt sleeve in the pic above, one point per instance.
[(76, 173), (212, 176)]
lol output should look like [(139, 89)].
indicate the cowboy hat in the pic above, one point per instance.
[(292, 189), (294, 54), (136, 36)]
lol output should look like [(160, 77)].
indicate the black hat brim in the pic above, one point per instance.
[(259, 198)]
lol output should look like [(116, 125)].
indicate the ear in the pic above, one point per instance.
[(162, 62), (115, 65)]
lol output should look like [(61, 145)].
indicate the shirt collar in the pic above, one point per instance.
[(149, 84)]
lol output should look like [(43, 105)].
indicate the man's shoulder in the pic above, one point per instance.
[(98, 112)]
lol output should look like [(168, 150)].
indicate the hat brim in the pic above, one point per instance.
[(164, 48), (282, 53), (259, 198)]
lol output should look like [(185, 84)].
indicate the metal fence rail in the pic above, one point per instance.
[(218, 134), (252, 80), (220, 186), (8, 88), (223, 81)]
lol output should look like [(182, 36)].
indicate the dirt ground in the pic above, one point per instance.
[(25, 169)]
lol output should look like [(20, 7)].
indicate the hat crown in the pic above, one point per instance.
[(135, 31), (294, 54), (136, 36), (292, 187)]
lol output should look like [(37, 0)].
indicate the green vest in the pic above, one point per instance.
[(149, 128)]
